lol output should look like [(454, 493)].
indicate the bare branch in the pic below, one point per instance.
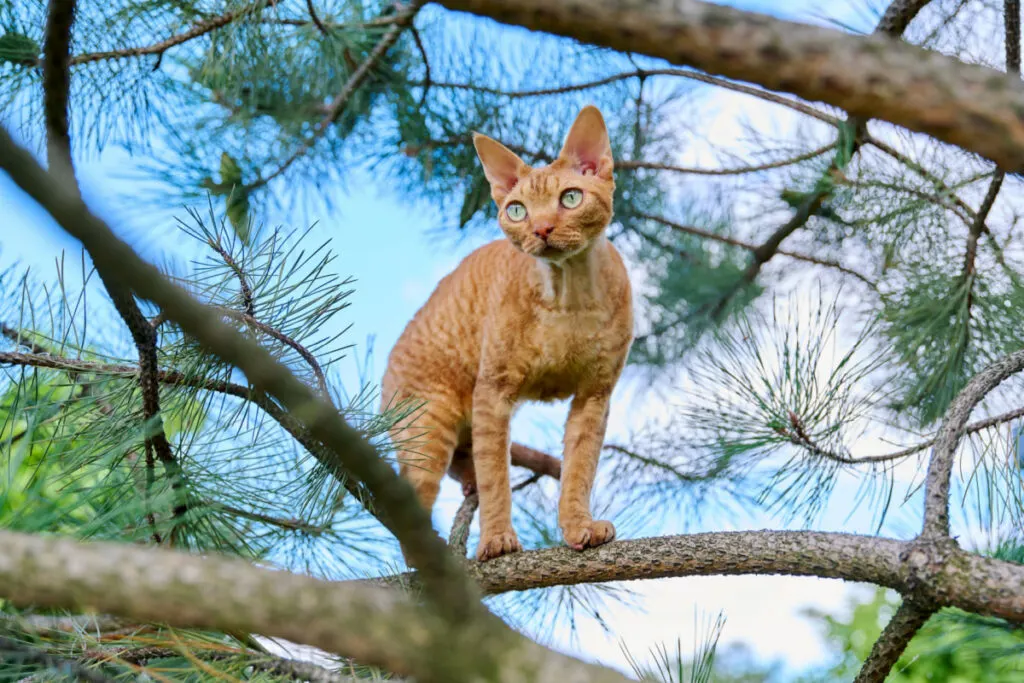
[(459, 536), (538, 461), (898, 633), (372, 625), (942, 576), (868, 76), (936, 508)]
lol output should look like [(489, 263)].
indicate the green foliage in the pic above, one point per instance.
[(952, 646), (19, 49)]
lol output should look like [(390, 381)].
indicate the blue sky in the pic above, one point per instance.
[(387, 247)]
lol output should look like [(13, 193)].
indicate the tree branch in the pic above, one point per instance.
[(898, 633), (868, 76), (199, 29), (401, 512), (707, 234), (459, 536), (953, 577), (936, 508), (372, 625), (727, 84), (355, 80)]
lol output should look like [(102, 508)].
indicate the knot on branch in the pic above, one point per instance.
[(924, 563)]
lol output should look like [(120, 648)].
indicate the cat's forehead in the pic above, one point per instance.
[(548, 180)]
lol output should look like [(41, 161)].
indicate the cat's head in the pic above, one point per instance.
[(555, 211)]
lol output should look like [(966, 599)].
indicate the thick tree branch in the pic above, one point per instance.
[(936, 507), (898, 633), (973, 107), (943, 576), (447, 588), (372, 625)]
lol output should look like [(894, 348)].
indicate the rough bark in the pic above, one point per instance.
[(889, 647), (372, 625), (977, 108)]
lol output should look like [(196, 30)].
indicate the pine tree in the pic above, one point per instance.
[(827, 277)]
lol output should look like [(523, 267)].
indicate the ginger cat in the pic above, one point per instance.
[(543, 315)]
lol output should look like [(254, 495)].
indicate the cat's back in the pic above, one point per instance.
[(441, 344)]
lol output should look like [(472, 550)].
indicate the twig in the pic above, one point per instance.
[(804, 441), (740, 170), (277, 334), (459, 536), (248, 302), (707, 234), (316, 20), (426, 63), (725, 83), (898, 633), (355, 80), (199, 29), (448, 591)]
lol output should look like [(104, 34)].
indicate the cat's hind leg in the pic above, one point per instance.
[(424, 448)]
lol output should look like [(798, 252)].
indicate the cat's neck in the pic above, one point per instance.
[(574, 283)]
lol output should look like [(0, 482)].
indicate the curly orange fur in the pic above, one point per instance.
[(542, 315)]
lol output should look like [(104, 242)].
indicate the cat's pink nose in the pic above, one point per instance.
[(544, 232)]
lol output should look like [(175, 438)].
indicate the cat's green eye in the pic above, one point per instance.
[(572, 198), (515, 211)]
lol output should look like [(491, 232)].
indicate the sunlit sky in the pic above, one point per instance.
[(387, 247)]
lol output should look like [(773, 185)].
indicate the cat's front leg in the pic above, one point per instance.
[(584, 436), (492, 416)]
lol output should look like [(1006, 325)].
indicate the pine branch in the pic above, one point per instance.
[(727, 84), (707, 234), (1011, 19), (56, 84), (316, 19), (966, 105), (739, 170), (898, 633), (447, 588), (402, 20), (199, 29), (372, 625), (16, 652), (936, 510), (799, 438)]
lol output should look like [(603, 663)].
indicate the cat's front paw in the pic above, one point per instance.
[(496, 545), (588, 534)]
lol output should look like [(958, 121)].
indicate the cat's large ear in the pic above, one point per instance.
[(587, 146), (501, 165)]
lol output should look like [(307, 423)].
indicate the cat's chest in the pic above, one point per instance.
[(565, 348)]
